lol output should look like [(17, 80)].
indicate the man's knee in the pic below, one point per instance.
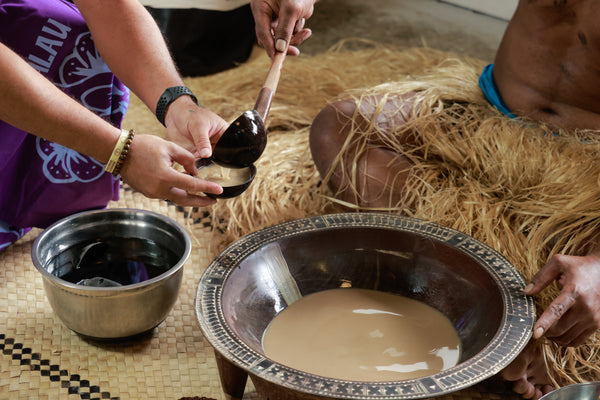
[(327, 132), (333, 118)]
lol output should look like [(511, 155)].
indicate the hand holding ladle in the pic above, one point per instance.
[(244, 141)]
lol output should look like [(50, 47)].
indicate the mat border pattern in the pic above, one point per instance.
[(73, 383)]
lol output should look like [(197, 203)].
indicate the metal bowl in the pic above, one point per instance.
[(479, 291), (90, 307), (579, 391)]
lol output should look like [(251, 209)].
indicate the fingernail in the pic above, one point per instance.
[(538, 333), (528, 288), (205, 153), (280, 45)]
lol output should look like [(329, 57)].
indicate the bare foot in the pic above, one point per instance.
[(528, 373)]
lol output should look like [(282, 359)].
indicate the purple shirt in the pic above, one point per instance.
[(40, 181)]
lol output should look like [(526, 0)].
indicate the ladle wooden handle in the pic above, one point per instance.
[(265, 96)]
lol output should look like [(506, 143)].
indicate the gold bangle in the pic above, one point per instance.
[(119, 153)]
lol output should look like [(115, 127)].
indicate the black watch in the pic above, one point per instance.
[(169, 96)]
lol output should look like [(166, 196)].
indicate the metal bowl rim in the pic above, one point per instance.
[(569, 388), (114, 289)]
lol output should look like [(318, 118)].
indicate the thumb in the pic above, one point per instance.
[(285, 30), (203, 147), (211, 128)]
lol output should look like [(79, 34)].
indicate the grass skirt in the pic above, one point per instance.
[(523, 189)]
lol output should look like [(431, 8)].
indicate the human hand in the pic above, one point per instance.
[(575, 313), (149, 170), (528, 374), (194, 128), (280, 24)]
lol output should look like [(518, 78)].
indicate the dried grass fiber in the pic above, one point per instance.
[(524, 189), (287, 185), (526, 193)]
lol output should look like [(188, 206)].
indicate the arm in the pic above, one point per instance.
[(133, 47), (575, 313), (32, 103), (280, 24)]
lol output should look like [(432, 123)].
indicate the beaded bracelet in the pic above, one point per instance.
[(119, 154)]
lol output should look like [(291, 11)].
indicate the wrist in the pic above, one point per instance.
[(168, 97), (120, 152)]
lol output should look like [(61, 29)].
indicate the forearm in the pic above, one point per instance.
[(132, 46), (32, 103)]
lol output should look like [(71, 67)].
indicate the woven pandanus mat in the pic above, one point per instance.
[(41, 358)]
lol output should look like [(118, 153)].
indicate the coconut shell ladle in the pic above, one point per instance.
[(244, 141)]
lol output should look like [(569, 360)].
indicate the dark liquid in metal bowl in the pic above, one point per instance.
[(112, 262)]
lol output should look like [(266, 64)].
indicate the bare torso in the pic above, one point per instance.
[(547, 67)]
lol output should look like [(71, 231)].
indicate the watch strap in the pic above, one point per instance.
[(169, 96)]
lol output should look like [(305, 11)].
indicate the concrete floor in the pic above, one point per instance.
[(405, 23)]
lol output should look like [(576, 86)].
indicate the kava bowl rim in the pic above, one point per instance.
[(515, 330)]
